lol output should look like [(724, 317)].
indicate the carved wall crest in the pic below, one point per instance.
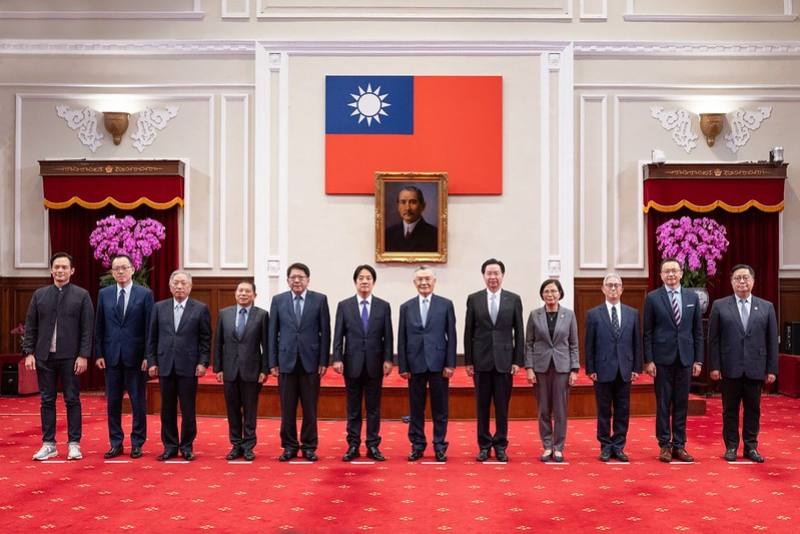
[(742, 122), (85, 121), (149, 122), (679, 122)]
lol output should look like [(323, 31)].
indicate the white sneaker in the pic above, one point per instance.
[(74, 451), (47, 451)]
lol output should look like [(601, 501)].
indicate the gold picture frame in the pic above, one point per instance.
[(404, 228)]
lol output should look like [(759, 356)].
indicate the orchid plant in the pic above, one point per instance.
[(137, 239), (697, 243)]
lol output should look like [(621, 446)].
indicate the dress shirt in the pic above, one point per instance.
[(489, 300), (359, 298), (618, 306), (127, 289), (409, 227)]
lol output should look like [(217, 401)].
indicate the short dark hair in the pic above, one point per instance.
[(670, 260), (493, 261), (248, 282), (369, 268), (57, 255), (299, 266), (547, 283), (743, 266), (416, 190), (117, 256)]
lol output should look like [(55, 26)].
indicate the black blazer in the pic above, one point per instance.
[(357, 348), (607, 354), (664, 342), (497, 346), (310, 340), (182, 350), (75, 316), (244, 357), (431, 347), (736, 352), (424, 238), (121, 341)]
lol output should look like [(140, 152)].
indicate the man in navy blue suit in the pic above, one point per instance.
[(362, 350), (120, 333), (299, 349), (743, 353), (613, 360), (426, 355), (673, 353)]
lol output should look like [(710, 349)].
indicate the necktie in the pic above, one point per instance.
[(408, 233), (240, 322), (298, 310), (178, 315), (745, 313), (121, 304), (614, 321), (676, 311), (493, 308), (364, 315), (424, 312)]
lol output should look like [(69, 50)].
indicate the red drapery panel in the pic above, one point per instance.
[(123, 192)]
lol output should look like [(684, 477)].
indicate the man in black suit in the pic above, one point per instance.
[(743, 351), (613, 362), (362, 350), (673, 353), (120, 333), (57, 343), (413, 233), (299, 349), (426, 355), (240, 363), (178, 351), (494, 349)]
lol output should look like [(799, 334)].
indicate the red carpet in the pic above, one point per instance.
[(461, 496)]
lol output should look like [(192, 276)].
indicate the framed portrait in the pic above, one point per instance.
[(411, 217)]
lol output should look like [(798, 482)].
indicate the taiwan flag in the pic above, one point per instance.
[(451, 124)]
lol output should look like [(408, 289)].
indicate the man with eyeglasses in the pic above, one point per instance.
[(120, 333), (673, 353), (299, 350), (613, 362), (743, 354)]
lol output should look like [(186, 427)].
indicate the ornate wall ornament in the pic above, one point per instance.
[(148, 121), (679, 122), (742, 122), (85, 121)]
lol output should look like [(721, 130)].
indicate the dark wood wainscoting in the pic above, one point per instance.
[(789, 310)]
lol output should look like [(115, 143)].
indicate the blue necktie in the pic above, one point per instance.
[(241, 321), (614, 321), (364, 315), (121, 304), (298, 310), (424, 313)]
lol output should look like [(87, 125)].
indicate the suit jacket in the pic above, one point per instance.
[(357, 348), (424, 238), (182, 349), (489, 346), (562, 350), (121, 340), (75, 316), (431, 347), (607, 354), (738, 352), (663, 340), (242, 357), (310, 340)]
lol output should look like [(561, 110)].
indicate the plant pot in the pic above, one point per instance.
[(702, 295)]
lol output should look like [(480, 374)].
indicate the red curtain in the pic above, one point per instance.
[(69, 232)]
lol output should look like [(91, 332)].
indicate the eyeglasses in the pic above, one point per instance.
[(613, 286), (742, 278), (670, 271), (120, 269), (297, 277)]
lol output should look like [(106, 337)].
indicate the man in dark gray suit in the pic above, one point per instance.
[(240, 363), (362, 350), (57, 343), (743, 353), (494, 350), (299, 349), (673, 353), (426, 355), (178, 351), (613, 362)]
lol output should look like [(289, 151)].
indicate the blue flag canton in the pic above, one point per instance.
[(369, 105)]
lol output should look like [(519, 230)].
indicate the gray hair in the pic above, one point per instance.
[(176, 272), (425, 268), (611, 275)]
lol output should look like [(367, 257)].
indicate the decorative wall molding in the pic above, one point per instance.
[(603, 201), (618, 208), (742, 122), (193, 13), (679, 122), (227, 13), (148, 121), (585, 15), (85, 121), (687, 49), (241, 217), (786, 16), (128, 48)]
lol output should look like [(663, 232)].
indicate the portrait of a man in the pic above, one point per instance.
[(413, 233)]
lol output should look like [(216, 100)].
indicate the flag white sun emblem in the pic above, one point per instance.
[(369, 105)]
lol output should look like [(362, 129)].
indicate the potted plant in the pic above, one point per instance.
[(137, 239)]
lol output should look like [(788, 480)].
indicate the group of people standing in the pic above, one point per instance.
[(134, 337)]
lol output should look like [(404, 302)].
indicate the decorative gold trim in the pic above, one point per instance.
[(177, 201), (149, 167), (704, 208)]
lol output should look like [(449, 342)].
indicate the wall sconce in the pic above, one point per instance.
[(711, 126), (116, 123)]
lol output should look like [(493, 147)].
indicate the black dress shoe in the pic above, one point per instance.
[(682, 455), (558, 456), (287, 455), (753, 455), (604, 456), (166, 455), (483, 455), (415, 455), (113, 452), (311, 456), (621, 456), (352, 452), (441, 456), (136, 452), (249, 455), (546, 457), (375, 453), (501, 455), (730, 455), (235, 453), (188, 455)]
